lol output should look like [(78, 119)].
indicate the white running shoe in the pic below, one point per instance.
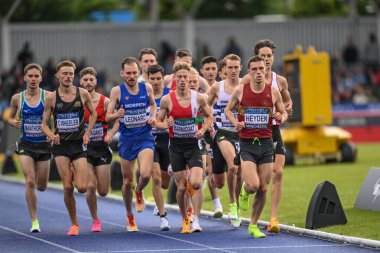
[(155, 211), (218, 213), (164, 224), (236, 223), (195, 227)]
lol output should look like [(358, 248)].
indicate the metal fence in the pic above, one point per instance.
[(105, 45)]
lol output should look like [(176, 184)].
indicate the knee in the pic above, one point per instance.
[(81, 189), (41, 187), (263, 189), (144, 177), (251, 188), (233, 170), (164, 184), (277, 173), (218, 181), (181, 189), (68, 189), (103, 192), (157, 181), (91, 187), (197, 185), (29, 183)]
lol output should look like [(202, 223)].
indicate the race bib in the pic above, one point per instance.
[(184, 128), (226, 123), (97, 132), (68, 122), (32, 127), (135, 118), (256, 118)]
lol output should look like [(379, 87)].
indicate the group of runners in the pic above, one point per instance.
[(181, 125)]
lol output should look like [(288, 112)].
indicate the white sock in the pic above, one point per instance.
[(216, 202)]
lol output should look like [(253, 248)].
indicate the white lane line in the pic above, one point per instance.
[(39, 239)]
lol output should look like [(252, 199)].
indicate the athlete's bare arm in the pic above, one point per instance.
[(245, 79), (213, 94), (168, 80), (152, 105), (86, 98), (287, 100), (111, 115), (202, 102), (163, 113), (280, 114), (110, 134), (203, 84), (48, 109), (14, 107), (234, 101)]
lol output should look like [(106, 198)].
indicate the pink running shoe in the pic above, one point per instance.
[(96, 226)]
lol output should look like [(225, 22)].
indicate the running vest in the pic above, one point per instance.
[(186, 120), (31, 119), (136, 111), (221, 120), (158, 102), (174, 85), (274, 84), (69, 117), (256, 110), (99, 131)]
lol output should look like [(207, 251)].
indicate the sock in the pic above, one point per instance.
[(216, 202)]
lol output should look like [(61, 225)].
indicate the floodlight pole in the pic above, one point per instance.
[(5, 37)]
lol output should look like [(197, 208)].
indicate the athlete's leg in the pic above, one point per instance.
[(156, 188), (27, 166), (145, 159), (264, 173), (91, 192), (278, 168), (165, 179), (80, 174), (66, 174), (127, 171), (228, 151), (42, 169), (102, 173), (180, 180)]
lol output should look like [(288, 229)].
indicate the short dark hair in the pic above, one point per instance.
[(87, 70), (130, 61), (222, 63), (182, 52), (264, 43), (154, 69), (208, 59), (255, 58), (147, 50)]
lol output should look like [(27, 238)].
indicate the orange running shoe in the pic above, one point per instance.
[(273, 226), (140, 205), (131, 224), (185, 226), (73, 231)]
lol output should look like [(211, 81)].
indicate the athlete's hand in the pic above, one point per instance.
[(289, 109), (120, 113), (239, 125), (277, 116), (15, 123), (55, 139), (199, 134), (108, 139), (86, 138), (152, 122), (170, 121)]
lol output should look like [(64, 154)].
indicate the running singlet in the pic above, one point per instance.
[(158, 102), (274, 84), (174, 85), (221, 120), (69, 117), (256, 110), (136, 111), (186, 120), (99, 131), (31, 119)]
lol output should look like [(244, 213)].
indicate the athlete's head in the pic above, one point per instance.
[(181, 72), (65, 73), (130, 70), (147, 57), (256, 69), (209, 68), (265, 49), (233, 66), (33, 75), (183, 55), (87, 78), (222, 69), (194, 79), (156, 76)]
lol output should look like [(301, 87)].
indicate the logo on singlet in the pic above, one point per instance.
[(59, 105), (77, 104), (126, 97)]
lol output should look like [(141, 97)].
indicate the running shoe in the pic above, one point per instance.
[(233, 213), (73, 231), (35, 227), (164, 224), (273, 226), (254, 230), (155, 211), (96, 226), (195, 227), (218, 213), (236, 223), (243, 199), (131, 224), (185, 226), (190, 214), (140, 205)]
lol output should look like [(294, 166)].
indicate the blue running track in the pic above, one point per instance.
[(218, 236)]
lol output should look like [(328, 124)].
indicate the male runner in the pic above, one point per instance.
[(147, 58)]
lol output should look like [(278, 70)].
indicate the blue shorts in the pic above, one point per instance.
[(130, 147)]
